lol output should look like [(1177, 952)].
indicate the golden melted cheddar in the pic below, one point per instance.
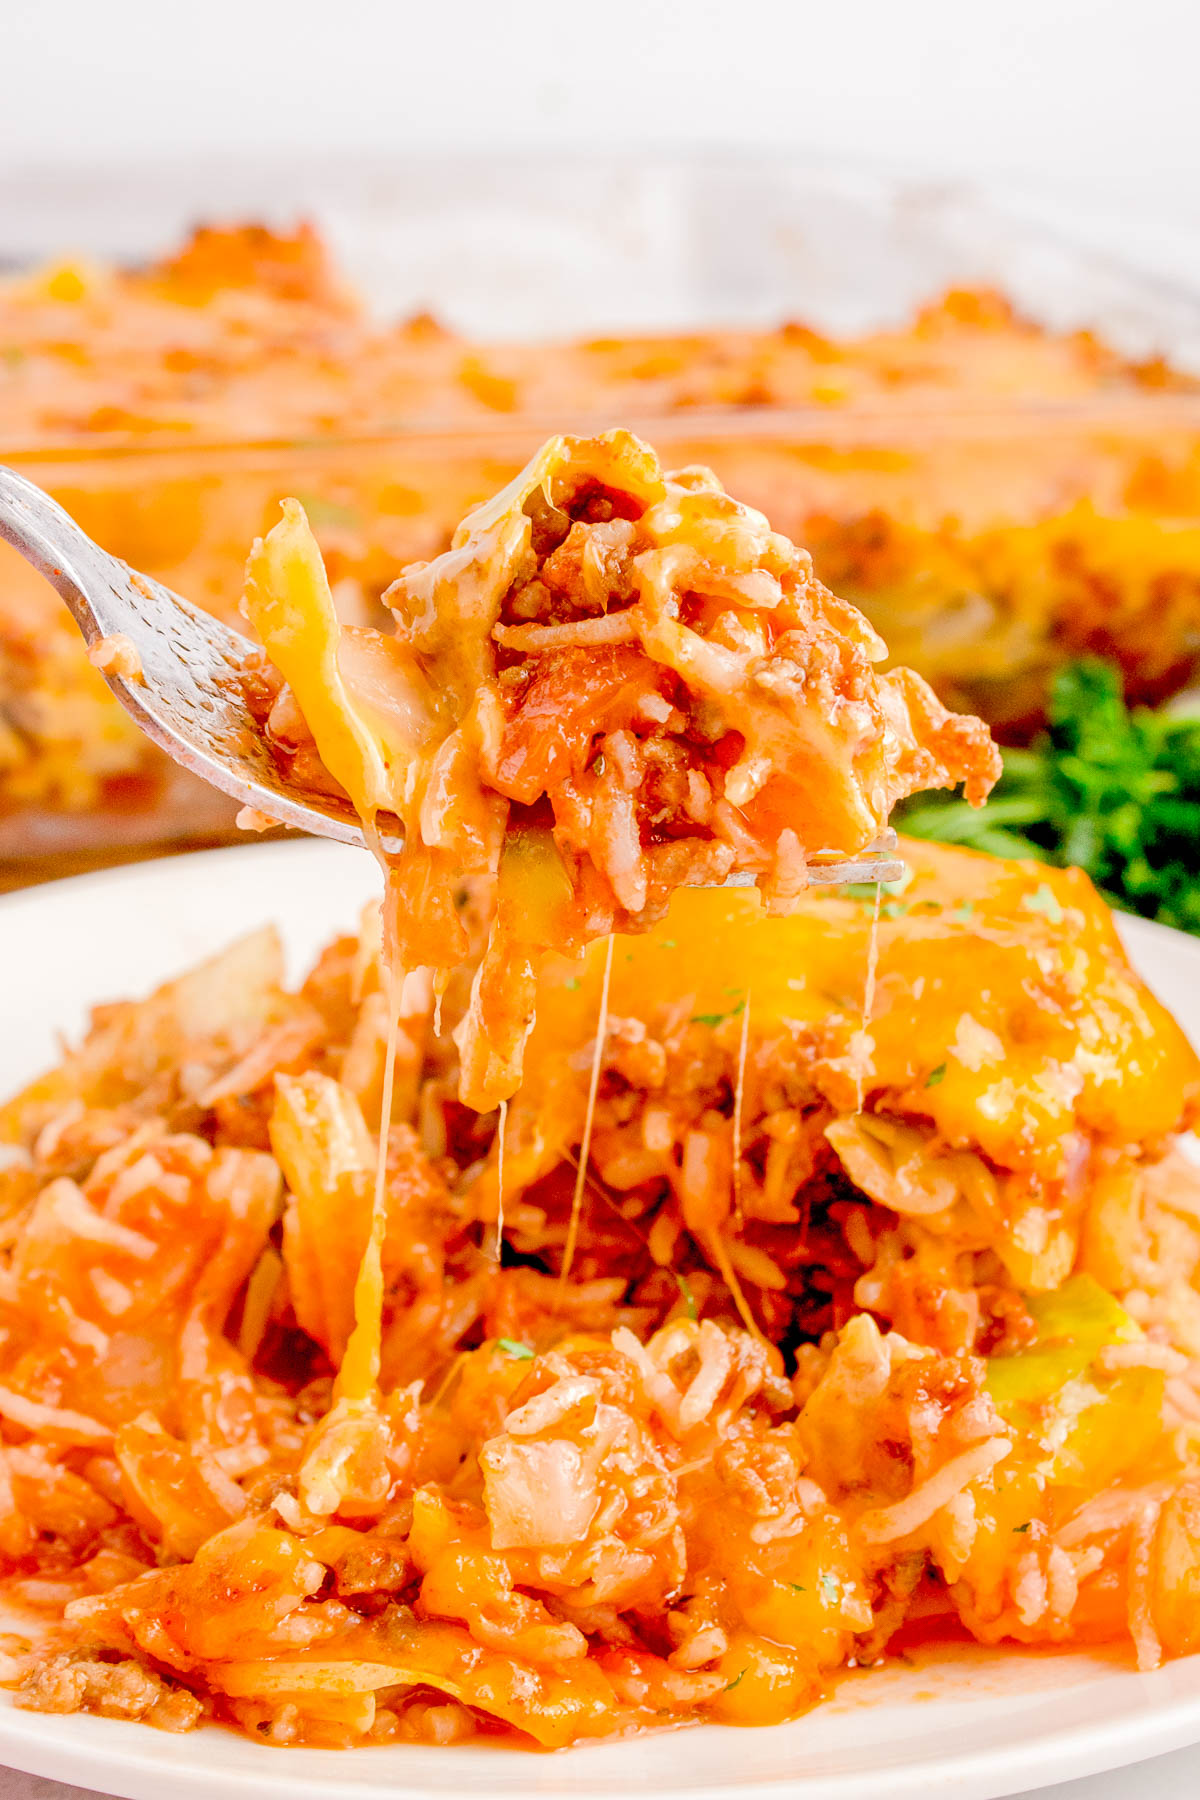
[(1005, 1012)]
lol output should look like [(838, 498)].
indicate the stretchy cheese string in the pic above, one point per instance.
[(717, 1244), (358, 1377), (503, 1127), (868, 995), (593, 1088), (455, 1369), (729, 1277), (739, 1094)]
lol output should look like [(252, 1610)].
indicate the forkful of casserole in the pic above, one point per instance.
[(615, 682)]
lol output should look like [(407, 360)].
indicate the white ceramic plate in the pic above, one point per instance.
[(965, 1723)]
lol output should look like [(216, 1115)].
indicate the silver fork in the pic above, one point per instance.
[(191, 697)]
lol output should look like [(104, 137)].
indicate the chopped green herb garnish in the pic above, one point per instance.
[(830, 1588), (670, 944), (894, 909), (689, 1299), (734, 1682), (510, 1347), (599, 766), (936, 1075), (1111, 789), (572, 983), (797, 1588), (962, 913), (718, 1018), (1024, 1527), (1044, 901)]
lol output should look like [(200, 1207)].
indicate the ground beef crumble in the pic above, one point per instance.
[(77, 1681)]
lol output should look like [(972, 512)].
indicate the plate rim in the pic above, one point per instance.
[(101, 1761)]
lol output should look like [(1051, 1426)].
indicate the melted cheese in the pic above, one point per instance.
[(770, 737), (1004, 982), (585, 1143), (358, 1376), (739, 1100), (288, 601)]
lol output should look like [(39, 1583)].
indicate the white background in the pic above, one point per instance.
[(1100, 92), (1088, 104)]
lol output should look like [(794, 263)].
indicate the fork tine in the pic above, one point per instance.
[(879, 862), (191, 699)]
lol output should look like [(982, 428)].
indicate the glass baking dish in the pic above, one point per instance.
[(988, 534)]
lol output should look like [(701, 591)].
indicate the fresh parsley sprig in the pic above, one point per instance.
[(1112, 789)]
